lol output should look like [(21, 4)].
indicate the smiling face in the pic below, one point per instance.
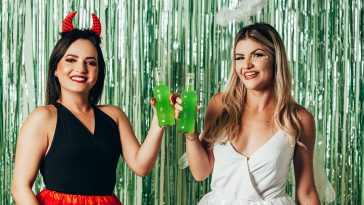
[(77, 71), (254, 64)]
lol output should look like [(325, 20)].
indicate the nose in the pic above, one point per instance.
[(247, 64), (81, 67)]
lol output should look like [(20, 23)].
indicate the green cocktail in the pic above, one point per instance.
[(161, 93), (187, 117)]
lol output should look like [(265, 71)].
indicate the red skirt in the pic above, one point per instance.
[(48, 197)]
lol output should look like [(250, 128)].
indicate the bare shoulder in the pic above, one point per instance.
[(213, 110), (307, 121), (113, 111), (43, 115), (217, 98), (216, 103), (32, 143), (306, 118), (40, 123)]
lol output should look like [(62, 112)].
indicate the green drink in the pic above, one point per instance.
[(187, 118), (161, 93)]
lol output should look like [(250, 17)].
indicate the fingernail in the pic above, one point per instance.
[(172, 99)]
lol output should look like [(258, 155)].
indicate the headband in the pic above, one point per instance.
[(67, 24)]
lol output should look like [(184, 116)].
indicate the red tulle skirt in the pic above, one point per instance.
[(48, 197)]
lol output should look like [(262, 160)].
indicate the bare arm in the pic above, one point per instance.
[(200, 153), (31, 147), (303, 162), (140, 158), (200, 157)]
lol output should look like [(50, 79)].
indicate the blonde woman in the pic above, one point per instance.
[(254, 129)]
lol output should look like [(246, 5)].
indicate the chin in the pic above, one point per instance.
[(254, 86), (251, 88), (250, 85), (79, 90)]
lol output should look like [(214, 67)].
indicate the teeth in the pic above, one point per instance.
[(250, 73), (78, 79)]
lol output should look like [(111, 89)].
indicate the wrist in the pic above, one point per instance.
[(191, 136), (155, 117)]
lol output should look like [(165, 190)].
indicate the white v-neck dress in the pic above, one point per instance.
[(259, 180)]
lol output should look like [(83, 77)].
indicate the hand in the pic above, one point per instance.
[(152, 102), (172, 99), (178, 107)]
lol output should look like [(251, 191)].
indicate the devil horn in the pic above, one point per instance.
[(67, 22), (96, 25)]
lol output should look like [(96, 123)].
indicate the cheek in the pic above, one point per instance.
[(237, 69), (95, 74), (95, 71), (63, 68), (238, 65), (268, 67), (238, 74)]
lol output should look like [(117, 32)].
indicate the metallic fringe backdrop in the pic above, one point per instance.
[(324, 42)]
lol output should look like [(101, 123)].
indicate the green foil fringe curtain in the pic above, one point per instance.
[(324, 42)]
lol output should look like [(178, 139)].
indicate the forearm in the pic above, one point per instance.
[(149, 150), (309, 202), (24, 196), (198, 158), (309, 198)]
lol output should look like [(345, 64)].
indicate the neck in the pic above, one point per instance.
[(75, 102), (259, 101)]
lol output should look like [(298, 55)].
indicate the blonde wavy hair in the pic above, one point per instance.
[(227, 123)]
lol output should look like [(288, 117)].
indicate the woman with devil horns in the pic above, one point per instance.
[(74, 142)]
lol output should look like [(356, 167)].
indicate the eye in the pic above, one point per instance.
[(239, 58), (70, 60), (92, 63), (258, 55)]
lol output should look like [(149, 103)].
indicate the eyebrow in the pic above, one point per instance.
[(251, 52), (75, 56)]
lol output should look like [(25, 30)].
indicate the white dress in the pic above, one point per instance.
[(259, 180)]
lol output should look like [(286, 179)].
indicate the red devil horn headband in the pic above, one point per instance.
[(68, 25)]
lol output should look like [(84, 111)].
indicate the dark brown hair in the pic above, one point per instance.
[(53, 90)]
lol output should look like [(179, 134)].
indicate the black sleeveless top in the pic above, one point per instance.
[(79, 162)]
